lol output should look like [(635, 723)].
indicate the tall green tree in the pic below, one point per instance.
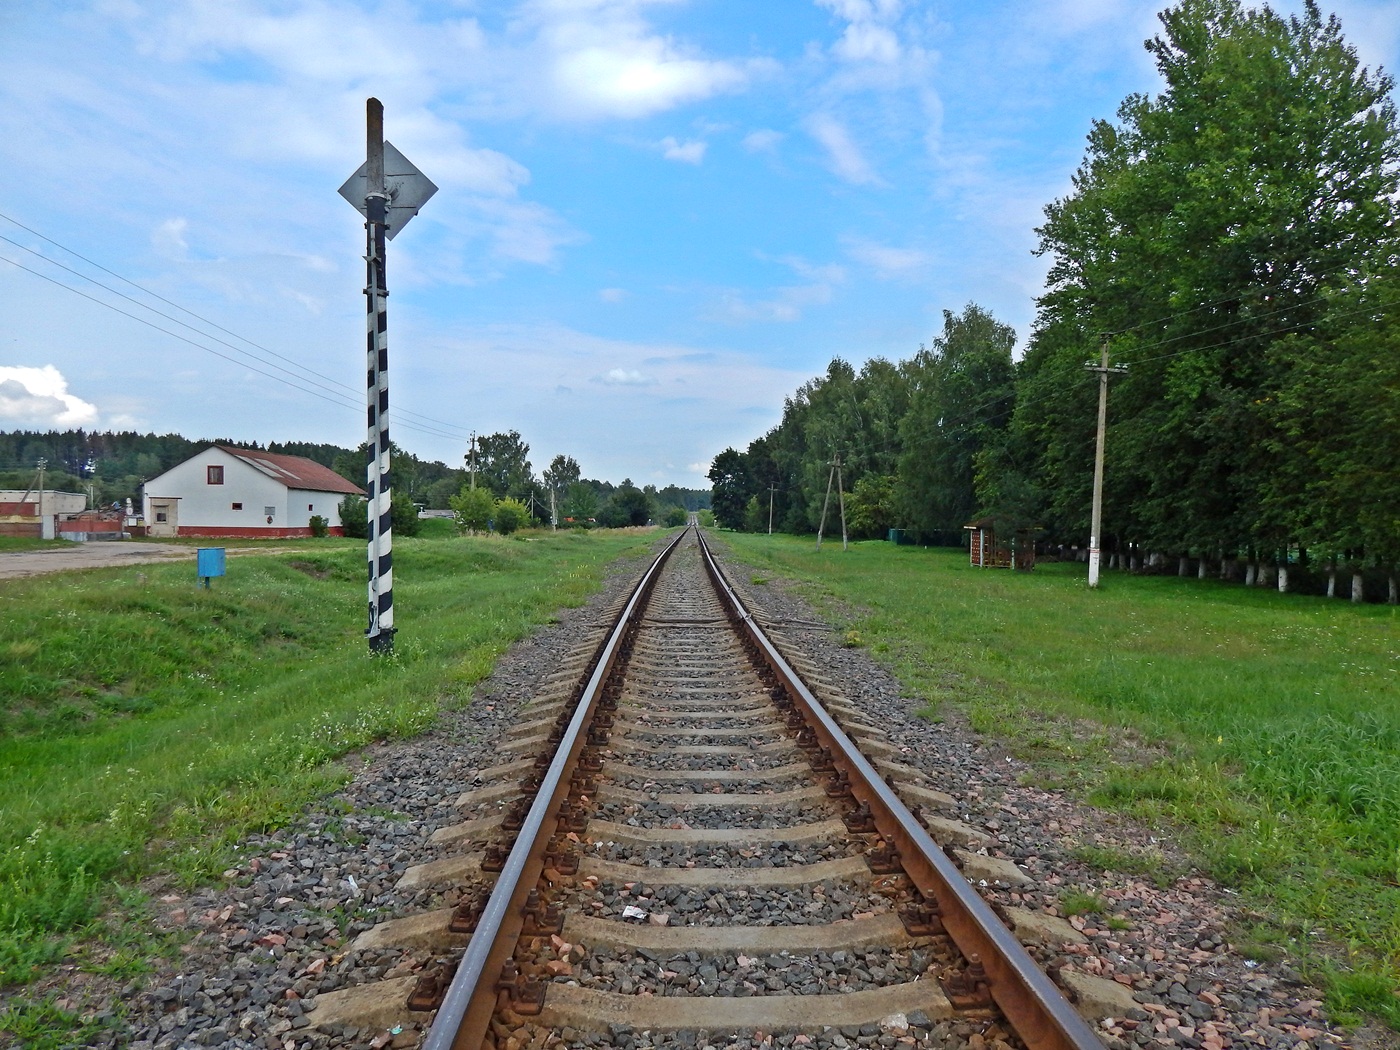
[(503, 464), (1204, 224), (962, 393)]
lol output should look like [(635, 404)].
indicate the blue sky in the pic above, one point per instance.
[(655, 218)]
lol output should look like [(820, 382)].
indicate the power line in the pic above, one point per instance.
[(198, 317), (185, 339)]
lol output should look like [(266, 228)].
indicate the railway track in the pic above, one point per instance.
[(681, 846)]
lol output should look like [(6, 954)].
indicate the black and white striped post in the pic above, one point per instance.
[(379, 512), (388, 190)]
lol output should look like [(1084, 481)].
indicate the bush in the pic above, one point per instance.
[(675, 516), (320, 526), (404, 514), (473, 508), (353, 517), (510, 515)]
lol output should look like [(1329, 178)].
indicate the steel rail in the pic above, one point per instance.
[(470, 1000), (1042, 1016)]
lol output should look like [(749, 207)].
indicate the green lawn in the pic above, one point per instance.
[(1274, 719), (147, 723)]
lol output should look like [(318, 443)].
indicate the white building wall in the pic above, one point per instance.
[(303, 504), (205, 505)]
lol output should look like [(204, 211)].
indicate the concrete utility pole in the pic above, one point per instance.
[(471, 462), (770, 510), (388, 191), (834, 472), (1096, 518)]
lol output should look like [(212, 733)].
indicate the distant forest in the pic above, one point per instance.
[(111, 467)]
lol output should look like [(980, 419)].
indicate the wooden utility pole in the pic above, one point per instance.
[(471, 461), (1096, 516)]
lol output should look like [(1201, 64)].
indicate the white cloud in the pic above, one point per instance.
[(845, 157), (686, 152), (605, 60), (765, 140), (887, 262), (785, 304), (613, 295), (864, 42), (39, 398), (624, 377), (169, 239)]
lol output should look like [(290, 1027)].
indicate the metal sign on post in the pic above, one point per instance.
[(388, 191)]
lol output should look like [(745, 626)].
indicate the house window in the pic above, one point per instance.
[(310, 507), (161, 516), (237, 506), (269, 511), (215, 474)]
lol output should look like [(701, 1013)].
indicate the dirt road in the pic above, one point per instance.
[(101, 555)]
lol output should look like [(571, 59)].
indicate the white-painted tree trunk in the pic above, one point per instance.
[(1201, 568), (1331, 579), (1283, 579), (1393, 598), (1250, 572), (1358, 588)]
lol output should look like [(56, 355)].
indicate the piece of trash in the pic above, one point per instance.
[(396, 1030), (631, 911)]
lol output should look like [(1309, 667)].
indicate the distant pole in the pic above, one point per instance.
[(841, 501), (770, 510), (471, 461), (553, 510), (1096, 517), (381, 538), (830, 474)]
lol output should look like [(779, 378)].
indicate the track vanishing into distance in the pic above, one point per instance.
[(682, 846)]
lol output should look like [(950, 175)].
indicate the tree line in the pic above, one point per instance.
[(112, 467), (1234, 241)]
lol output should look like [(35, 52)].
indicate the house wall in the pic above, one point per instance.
[(207, 510)]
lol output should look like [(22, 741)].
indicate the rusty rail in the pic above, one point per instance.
[(471, 998), (1036, 1008)]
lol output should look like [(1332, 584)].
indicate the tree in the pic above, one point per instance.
[(503, 465), (510, 514), (580, 503), (629, 506), (675, 517), (354, 517), (404, 514), (963, 391), (870, 507), (733, 487), (562, 472), (1205, 224), (473, 509)]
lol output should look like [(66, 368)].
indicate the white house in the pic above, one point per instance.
[(226, 491)]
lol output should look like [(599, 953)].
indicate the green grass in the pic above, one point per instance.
[(1265, 727), (146, 724)]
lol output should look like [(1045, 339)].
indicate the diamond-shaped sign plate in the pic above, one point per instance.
[(408, 189)]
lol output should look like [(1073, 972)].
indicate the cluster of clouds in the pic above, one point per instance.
[(38, 399)]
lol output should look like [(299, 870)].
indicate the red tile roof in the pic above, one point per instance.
[(295, 472)]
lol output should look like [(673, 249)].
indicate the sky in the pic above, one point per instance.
[(655, 218)]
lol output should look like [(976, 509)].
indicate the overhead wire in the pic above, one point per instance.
[(331, 398), (213, 324)]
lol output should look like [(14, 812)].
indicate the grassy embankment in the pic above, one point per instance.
[(1272, 721), (146, 723)]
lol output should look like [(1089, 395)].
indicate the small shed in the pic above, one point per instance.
[(988, 550)]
